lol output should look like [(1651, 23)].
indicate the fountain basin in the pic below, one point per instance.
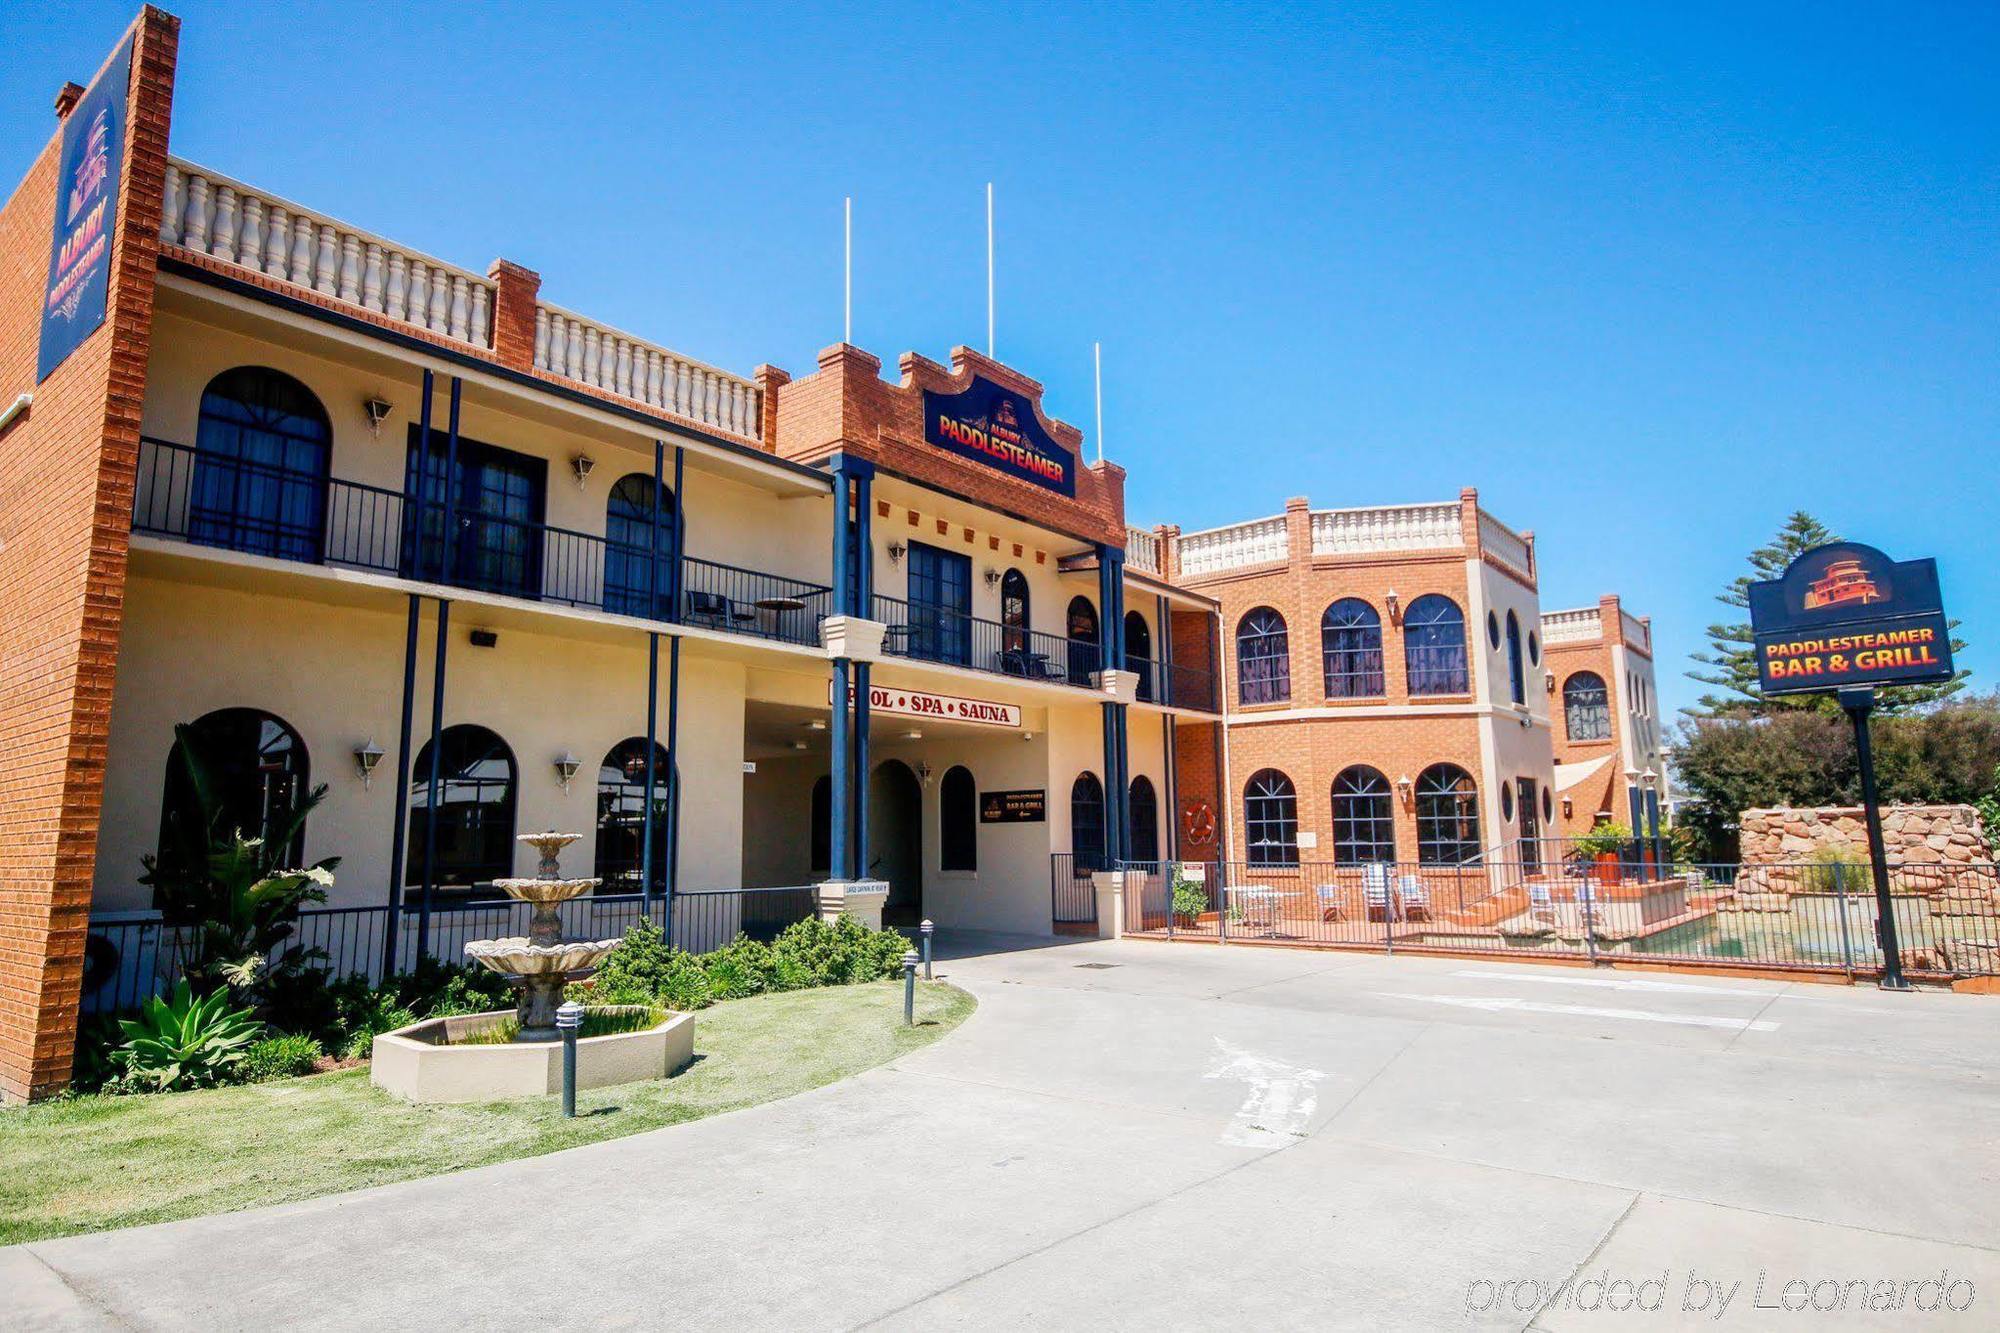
[(420, 1063), (514, 956), (545, 892)]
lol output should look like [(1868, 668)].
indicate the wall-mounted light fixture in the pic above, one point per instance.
[(1404, 787), (582, 465), (566, 766), (800, 745), (366, 756), (913, 735), (1395, 604), (1568, 808), (923, 773), (896, 550), (1549, 681), (377, 408), (992, 577)]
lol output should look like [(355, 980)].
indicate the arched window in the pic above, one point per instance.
[(1517, 681), (1085, 652), (1263, 658), (1145, 840), (260, 466), (822, 823), (1434, 646), (1447, 816), (958, 820), (1139, 652), (254, 769), (1350, 643), (1586, 707), (636, 583), (1086, 822), (1015, 607), (475, 814), (621, 817), (1271, 819), (1364, 818)]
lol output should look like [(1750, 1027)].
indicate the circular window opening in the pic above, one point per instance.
[(1534, 648), (1548, 807), (1507, 805), (1493, 630)]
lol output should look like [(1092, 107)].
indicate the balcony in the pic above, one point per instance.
[(927, 633), (237, 504), (1173, 685)]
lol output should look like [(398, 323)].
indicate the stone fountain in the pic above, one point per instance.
[(543, 961)]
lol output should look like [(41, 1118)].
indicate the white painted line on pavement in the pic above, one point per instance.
[(1617, 983), (1280, 1101), (1497, 1003)]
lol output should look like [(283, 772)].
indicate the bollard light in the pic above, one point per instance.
[(569, 1017), (924, 931), (909, 988)]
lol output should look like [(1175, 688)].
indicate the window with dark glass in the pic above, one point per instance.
[(638, 560), (1145, 841), (1086, 822), (255, 770), (1447, 816), (1434, 646), (1263, 658), (475, 813), (1517, 680), (1586, 707), (1350, 641), (260, 466), (621, 817), (940, 604), (487, 532), (1015, 606), (1271, 819), (1139, 652), (1364, 818), (958, 820), (1085, 652)]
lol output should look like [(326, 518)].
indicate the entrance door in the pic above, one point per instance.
[(494, 512), (940, 605), (896, 841), (1531, 824)]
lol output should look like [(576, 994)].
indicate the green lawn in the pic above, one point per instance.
[(99, 1162)]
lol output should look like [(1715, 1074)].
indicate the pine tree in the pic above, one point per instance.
[(1731, 659)]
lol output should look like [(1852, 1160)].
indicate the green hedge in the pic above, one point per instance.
[(645, 969)]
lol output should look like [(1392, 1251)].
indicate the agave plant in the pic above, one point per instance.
[(186, 1042)]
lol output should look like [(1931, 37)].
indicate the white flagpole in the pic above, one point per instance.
[(847, 276), (989, 268), (1097, 370)]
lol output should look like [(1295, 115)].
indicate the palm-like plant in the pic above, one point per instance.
[(186, 1042)]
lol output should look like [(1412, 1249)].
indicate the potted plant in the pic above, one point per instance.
[(1190, 898), (1602, 845)]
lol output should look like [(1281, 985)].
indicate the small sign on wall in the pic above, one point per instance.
[(1013, 807), (1306, 838)]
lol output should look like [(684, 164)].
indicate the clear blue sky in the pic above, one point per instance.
[(1649, 278)]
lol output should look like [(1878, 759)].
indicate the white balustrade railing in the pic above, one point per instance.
[(1260, 542), (1504, 544), (256, 230), (1142, 550), (591, 353), (1579, 626), (1636, 632), (1421, 527)]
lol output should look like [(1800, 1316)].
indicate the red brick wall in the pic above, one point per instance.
[(66, 478), (846, 406)]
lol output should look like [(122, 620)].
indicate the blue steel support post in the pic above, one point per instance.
[(412, 554), (840, 763), (861, 574), (1164, 627), (447, 546), (431, 792), (1638, 822), (1660, 867), (653, 591), (672, 878), (399, 838)]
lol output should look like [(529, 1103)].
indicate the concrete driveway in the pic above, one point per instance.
[(1142, 1135)]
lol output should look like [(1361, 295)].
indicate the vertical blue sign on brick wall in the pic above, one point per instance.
[(86, 214)]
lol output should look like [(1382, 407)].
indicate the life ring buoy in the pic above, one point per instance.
[(1198, 822)]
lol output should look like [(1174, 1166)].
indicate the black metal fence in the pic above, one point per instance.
[(1172, 684), (128, 961), (239, 504), (932, 633), (1072, 896), (1810, 916)]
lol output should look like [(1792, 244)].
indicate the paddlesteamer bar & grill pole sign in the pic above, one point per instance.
[(1843, 619)]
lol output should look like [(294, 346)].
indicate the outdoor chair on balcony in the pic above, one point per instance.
[(712, 608), (1414, 899), (1541, 904)]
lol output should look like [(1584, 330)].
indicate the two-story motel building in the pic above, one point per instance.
[(480, 564)]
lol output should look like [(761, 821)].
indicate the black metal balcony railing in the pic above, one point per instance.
[(259, 508), (1172, 684), (930, 633)]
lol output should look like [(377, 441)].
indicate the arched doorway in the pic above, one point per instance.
[(896, 840)]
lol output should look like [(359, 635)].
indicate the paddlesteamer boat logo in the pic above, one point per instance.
[(86, 208), (1845, 614), (998, 427)]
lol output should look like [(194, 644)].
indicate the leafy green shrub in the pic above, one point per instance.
[(741, 967), (95, 1064), (186, 1042), (1605, 838), (1835, 866), (645, 969), (841, 953), (287, 1056), (1190, 896)]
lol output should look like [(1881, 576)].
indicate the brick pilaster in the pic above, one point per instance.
[(770, 383), (515, 291)]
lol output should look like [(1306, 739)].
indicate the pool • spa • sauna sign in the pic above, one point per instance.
[(1847, 615), (943, 707), (998, 427)]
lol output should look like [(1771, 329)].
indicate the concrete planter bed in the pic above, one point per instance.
[(435, 1060)]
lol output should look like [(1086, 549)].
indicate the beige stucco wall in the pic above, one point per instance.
[(1509, 750), (334, 673)]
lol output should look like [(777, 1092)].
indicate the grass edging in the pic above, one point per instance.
[(95, 1163)]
